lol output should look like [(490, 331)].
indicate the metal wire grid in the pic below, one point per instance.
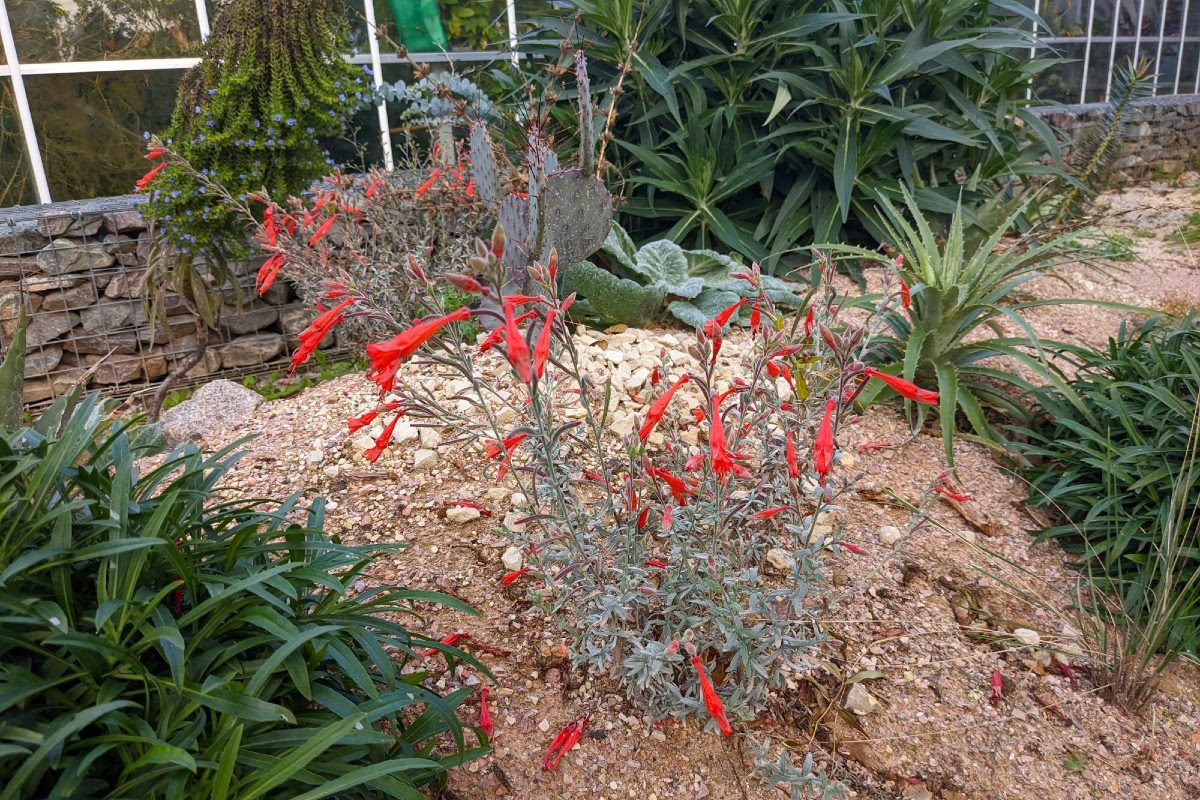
[(80, 278)]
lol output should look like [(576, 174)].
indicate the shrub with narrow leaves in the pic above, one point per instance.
[(163, 641), (683, 570)]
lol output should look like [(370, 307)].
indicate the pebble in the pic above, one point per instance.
[(780, 560), (429, 437), (890, 535), (1027, 637), (461, 515), (513, 558), (405, 432), (424, 459), (544, 725), (860, 701), (332, 471), (966, 535)]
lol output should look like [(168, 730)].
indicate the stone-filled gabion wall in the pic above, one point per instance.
[(78, 268), (1161, 135)]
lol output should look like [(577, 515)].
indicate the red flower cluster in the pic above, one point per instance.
[(567, 737), (310, 337), (386, 357)]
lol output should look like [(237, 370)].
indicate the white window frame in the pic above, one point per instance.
[(14, 71)]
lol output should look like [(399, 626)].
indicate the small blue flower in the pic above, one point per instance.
[(250, 143), (146, 135), (278, 117), (212, 123), (367, 69), (257, 124), (198, 110), (310, 130), (290, 121), (342, 97), (212, 92)]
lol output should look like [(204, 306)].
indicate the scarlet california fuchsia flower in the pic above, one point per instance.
[(149, 176), (720, 457), (516, 349), (767, 513), (485, 718), (904, 388), (823, 446), (268, 272), (450, 640), (363, 420), (541, 351), (464, 283), (428, 184), (659, 407), (722, 319), (495, 450), (853, 548), (679, 490), (514, 576), (657, 563), (905, 295), (997, 688), (386, 357), (310, 337), (716, 709), (567, 737), (372, 455), (497, 336), (320, 233), (792, 463)]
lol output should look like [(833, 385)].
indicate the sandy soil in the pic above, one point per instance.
[(932, 615)]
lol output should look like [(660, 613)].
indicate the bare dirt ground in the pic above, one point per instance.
[(931, 615)]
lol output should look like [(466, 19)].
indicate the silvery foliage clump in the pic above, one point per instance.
[(437, 98), (641, 578), (804, 782)]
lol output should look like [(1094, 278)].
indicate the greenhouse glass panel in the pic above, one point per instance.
[(16, 179), (90, 127), (103, 30)]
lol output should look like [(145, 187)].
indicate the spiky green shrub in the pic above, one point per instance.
[(272, 83), (760, 126), (1109, 452), (161, 640)]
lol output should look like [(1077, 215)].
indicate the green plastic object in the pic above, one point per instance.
[(420, 25)]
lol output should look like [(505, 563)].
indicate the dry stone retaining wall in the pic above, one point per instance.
[(1161, 135), (79, 268)]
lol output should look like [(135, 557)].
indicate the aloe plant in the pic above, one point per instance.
[(12, 376)]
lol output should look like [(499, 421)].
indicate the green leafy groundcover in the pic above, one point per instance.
[(1110, 449), (160, 641)]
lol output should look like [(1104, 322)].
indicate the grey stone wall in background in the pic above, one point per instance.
[(78, 268), (1161, 135)]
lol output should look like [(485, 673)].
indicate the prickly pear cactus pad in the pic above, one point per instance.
[(578, 213)]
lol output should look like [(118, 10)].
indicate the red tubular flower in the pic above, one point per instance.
[(714, 325), (515, 300), (655, 376), (471, 188), (698, 414), (363, 420), (541, 351), (497, 336), (643, 518), (566, 738), (156, 152), (946, 492), (495, 450), (449, 640), (823, 447), (516, 349), (668, 518), (428, 184), (722, 463), (386, 357), (384, 439), (659, 407), (464, 283), (319, 234), (808, 323), (792, 462), (716, 709), (485, 718), (694, 463), (657, 563), (767, 513), (903, 388), (310, 337), (853, 548), (268, 272), (755, 318), (905, 294), (997, 687), (678, 489), (513, 577), (144, 181)]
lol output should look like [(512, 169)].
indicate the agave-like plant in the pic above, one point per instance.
[(963, 289)]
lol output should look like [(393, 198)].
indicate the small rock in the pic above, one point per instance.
[(362, 442), (424, 458), (890, 535), (966, 535), (513, 559), (405, 432), (332, 471), (314, 457), (429, 437), (511, 522), (216, 405), (779, 560), (544, 725), (461, 515), (518, 500), (916, 791), (1027, 637), (860, 701)]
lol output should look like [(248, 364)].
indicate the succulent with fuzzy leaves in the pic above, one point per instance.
[(629, 284)]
